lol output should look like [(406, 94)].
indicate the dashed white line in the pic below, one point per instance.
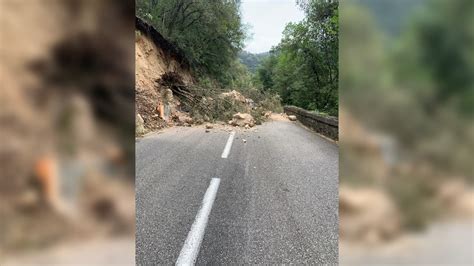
[(190, 250), (228, 145)]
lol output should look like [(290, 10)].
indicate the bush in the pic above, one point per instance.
[(272, 103)]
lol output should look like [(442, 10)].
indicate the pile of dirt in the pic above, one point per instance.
[(242, 120), (367, 214), (456, 198), (233, 96), (237, 99)]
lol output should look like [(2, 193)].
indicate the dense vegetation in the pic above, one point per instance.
[(252, 61), (432, 54), (418, 86), (427, 60), (303, 68), (390, 15)]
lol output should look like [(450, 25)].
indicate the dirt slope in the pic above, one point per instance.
[(156, 59)]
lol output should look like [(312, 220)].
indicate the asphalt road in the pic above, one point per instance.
[(277, 201)]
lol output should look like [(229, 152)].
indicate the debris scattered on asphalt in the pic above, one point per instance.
[(242, 119)]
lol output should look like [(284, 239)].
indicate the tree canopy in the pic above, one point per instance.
[(436, 61), (303, 68), (252, 61), (209, 32)]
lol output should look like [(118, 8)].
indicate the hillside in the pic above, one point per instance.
[(168, 90), (157, 62), (252, 61)]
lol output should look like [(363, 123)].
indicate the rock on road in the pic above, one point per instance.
[(277, 201)]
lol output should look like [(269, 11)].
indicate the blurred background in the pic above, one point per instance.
[(407, 132), (67, 130)]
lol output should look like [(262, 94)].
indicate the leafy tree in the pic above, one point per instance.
[(252, 61), (209, 32), (304, 66), (391, 16), (436, 57), (264, 73)]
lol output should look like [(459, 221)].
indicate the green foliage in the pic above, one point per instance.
[(391, 15), (209, 32), (414, 196), (364, 72), (252, 61), (436, 57), (271, 102), (419, 87), (303, 68), (265, 75), (239, 76)]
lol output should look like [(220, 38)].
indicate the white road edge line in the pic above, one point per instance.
[(190, 250), (228, 145)]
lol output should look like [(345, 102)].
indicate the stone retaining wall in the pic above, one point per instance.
[(326, 125)]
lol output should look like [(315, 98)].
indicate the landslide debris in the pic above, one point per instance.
[(367, 214), (234, 96), (168, 94), (242, 120), (160, 71)]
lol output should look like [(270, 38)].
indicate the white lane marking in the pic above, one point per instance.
[(190, 250), (228, 145)]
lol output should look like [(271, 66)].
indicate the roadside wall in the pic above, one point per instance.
[(326, 125)]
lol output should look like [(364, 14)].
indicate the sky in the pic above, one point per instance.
[(267, 20)]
